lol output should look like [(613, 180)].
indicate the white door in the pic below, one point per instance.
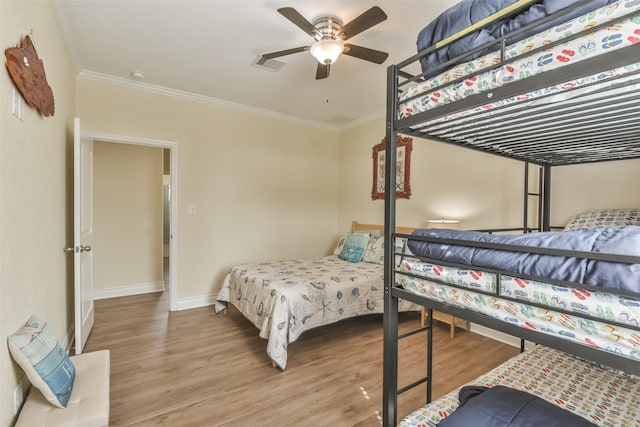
[(82, 234)]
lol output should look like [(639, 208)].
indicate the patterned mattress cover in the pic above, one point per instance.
[(435, 91), (604, 305), (285, 298), (604, 396)]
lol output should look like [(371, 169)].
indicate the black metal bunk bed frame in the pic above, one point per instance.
[(567, 145)]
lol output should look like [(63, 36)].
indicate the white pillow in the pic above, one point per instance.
[(604, 218), (375, 250)]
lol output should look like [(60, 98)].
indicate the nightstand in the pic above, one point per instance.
[(451, 320)]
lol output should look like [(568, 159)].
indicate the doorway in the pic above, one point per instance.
[(168, 151)]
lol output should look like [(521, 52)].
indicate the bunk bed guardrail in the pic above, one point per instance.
[(558, 148)]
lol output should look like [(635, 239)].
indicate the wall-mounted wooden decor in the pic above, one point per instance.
[(403, 169), (27, 72)]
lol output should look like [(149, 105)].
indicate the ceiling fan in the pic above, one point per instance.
[(330, 36)]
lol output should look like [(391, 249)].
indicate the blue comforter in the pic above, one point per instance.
[(468, 12), (612, 240)]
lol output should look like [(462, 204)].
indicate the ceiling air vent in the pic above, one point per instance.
[(268, 64), (339, 120)]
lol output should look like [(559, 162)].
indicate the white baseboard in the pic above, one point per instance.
[(123, 291), (196, 302), (498, 336)]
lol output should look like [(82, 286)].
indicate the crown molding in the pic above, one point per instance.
[(381, 115), (188, 96)]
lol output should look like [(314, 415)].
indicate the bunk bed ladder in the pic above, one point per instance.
[(391, 391), (392, 337), (428, 328), (543, 195), (540, 200)]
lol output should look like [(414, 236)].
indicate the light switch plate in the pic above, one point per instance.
[(192, 210), (16, 104)]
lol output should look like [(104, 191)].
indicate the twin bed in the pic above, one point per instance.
[(536, 292), (557, 89)]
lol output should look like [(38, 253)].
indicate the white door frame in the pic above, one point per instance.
[(173, 221)]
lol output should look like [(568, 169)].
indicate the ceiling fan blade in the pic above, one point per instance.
[(322, 72), (365, 53), (368, 19), (285, 52), (294, 16)]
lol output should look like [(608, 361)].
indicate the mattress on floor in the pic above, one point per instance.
[(606, 397)]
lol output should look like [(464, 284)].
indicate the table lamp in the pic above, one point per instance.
[(443, 223)]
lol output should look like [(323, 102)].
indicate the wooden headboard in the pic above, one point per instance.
[(356, 226)]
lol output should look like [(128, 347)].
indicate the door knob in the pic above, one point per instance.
[(80, 249)]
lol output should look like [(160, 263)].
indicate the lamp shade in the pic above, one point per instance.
[(443, 223), (327, 51)]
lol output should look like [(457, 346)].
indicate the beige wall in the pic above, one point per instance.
[(480, 190), (264, 188), (594, 186), (127, 200), (36, 190)]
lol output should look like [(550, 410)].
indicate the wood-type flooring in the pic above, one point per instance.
[(196, 368)]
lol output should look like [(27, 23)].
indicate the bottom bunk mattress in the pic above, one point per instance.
[(285, 298), (603, 396), (613, 319)]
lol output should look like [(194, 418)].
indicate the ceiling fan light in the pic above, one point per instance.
[(327, 51)]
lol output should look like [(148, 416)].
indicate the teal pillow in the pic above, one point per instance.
[(47, 366), (354, 247)]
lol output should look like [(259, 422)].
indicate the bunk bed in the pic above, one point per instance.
[(285, 298), (558, 89)]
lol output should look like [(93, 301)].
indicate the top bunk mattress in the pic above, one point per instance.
[(451, 86), (445, 29)]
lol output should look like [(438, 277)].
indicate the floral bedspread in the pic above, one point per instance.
[(285, 298)]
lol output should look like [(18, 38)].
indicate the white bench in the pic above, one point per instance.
[(89, 402)]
